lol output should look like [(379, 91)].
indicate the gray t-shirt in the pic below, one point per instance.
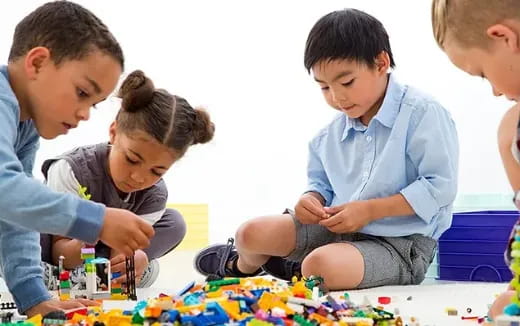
[(87, 166)]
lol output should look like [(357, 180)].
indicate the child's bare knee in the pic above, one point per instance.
[(314, 263), (246, 237)]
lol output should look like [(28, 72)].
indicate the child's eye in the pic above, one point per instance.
[(157, 173), (325, 88), (81, 93), (348, 83), (129, 160)]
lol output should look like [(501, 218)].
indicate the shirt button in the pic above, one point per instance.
[(369, 138)]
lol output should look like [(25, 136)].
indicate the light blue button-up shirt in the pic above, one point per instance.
[(409, 147)]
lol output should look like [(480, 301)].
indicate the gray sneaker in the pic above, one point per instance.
[(150, 274)]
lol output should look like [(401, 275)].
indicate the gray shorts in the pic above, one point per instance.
[(388, 260)]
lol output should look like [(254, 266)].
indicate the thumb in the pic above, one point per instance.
[(332, 210)]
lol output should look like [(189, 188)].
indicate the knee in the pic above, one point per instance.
[(177, 222), (315, 263), (246, 237)]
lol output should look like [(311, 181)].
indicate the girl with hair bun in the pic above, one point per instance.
[(152, 130)]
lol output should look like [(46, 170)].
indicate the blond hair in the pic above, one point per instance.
[(466, 21)]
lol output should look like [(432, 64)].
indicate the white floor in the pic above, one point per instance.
[(428, 300)]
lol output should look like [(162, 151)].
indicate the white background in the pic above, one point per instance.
[(243, 60)]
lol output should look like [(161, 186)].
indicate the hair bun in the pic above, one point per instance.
[(136, 91), (203, 128)]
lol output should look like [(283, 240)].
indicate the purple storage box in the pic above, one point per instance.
[(471, 260), (479, 273), (472, 249)]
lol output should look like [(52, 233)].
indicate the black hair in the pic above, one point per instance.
[(347, 34)]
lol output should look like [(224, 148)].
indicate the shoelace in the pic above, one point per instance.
[(221, 271), (224, 260)]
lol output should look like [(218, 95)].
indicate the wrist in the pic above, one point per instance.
[(371, 209)]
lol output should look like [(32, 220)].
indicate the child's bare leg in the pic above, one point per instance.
[(262, 237), (500, 302), (340, 264)]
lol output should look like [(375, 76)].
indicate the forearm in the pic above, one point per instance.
[(391, 206), (20, 257), (68, 248)]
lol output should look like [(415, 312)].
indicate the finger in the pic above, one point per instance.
[(147, 229), (328, 222), (118, 268), (338, 228), (117, 260), (308, 216), (332, 210), (87, 302), (71, 304), (140, 241), (120, 279), (313, 209)]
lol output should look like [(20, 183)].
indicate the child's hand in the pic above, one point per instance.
[(348, 217), (118, 264), (309, 210), (45, 307), (125, 232)]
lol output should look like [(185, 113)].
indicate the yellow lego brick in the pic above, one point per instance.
[(64, 296), (268, 301), (36, 320), (118, 296), (120, 320)]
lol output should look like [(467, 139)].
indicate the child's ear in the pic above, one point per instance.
[(35, 60), (112, 132), (504, 35), (382, 62)]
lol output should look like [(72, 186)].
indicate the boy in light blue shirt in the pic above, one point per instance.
[(63, 60), (382, 175)]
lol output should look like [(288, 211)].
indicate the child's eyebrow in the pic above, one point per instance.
[(338, 76), (92, 82), (137, 154), (142, 159)]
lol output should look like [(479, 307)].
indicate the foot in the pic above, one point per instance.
[(282, 268), (218, 261)]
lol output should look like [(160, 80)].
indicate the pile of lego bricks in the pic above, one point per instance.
[(246, 301)]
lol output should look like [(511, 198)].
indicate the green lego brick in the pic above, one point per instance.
[(64, 284)]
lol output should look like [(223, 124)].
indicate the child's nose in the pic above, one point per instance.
[(137, 177), (84, 113), (337, 97), (496, 92)]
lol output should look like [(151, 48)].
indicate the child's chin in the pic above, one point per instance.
[(49, 134)]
